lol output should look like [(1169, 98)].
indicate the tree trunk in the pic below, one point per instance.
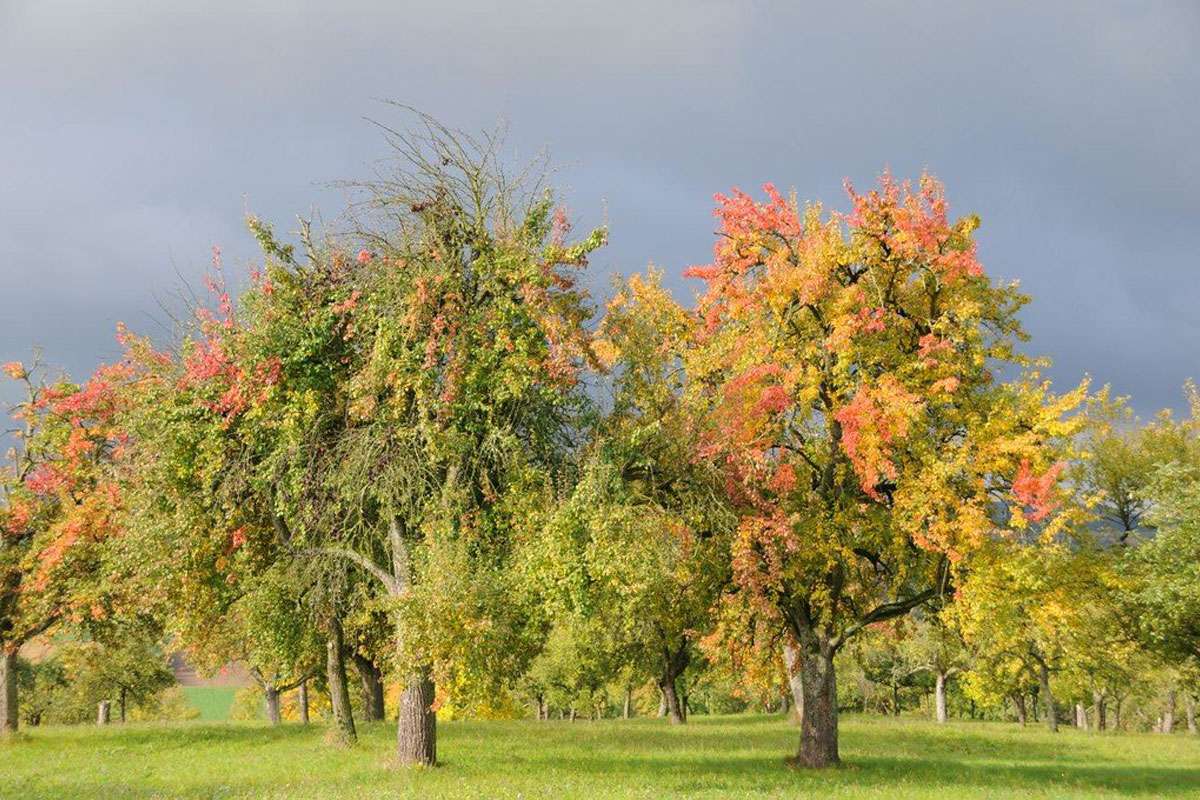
[(939, 693), (819, 713), (1047, 697), (271, 702), (102, 712), (121, 703), (339, 694), (791, 660), (1018, 701), (662, 702), (8, 689), (1117, 713), (371, 678), (627, 711), (302, 701), (1081, 720), (1191, 715), (1100, 703), (1168, 719), (671, 698), (416, 737)]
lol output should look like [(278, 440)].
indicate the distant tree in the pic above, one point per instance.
[(60, 503), (640, 545)]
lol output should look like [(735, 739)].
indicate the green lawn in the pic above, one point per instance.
[(722, 757), (213, 702)]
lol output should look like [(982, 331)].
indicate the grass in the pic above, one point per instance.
[(712, 757), (213, 702)]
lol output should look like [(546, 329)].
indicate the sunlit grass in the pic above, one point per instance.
[(213, 702), (712, 757)]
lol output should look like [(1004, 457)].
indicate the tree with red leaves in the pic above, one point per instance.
[(850, 364), (60, 504)]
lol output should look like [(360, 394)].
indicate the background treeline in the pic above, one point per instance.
[(408, 471)]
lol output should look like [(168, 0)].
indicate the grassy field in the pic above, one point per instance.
[(721, 757), (213, 702)]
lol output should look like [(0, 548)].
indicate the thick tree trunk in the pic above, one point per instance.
[(1018, 701), (1191, 715), (416, 737), (1168, 718), (302, 701), (627, 710), (1081, 720), (939, 696), (8, 689), (1100, 702), (819, 713), (371, 678), (1117, 713), (102, 712), (339, 694), (662, 702), (271, 703), (1047, 697), (671, 697), (416, 725)]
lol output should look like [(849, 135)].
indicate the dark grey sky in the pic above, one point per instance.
[(134, 135)]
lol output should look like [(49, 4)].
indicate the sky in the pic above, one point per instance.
[(135, 136)]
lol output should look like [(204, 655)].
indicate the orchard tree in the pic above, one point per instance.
[(1123, 453), (60, 504), (1164, 571), (851, 368), (216, 429), (1031, 608), (452, 343), (641, 542)]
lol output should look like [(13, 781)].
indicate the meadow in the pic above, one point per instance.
[(711, 757)]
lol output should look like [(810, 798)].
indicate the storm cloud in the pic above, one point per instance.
[(135, 136)]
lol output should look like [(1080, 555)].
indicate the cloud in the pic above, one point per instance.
[(137, 134)]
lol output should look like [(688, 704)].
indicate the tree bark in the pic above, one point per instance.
[(819, 712), (627, 710), (302, 701), (271, 702), (8, 689), (1191, 715), (339, 694), (791, 661), (416, 738), (939, 692), (662, 702), (1168, 719), (1018, 701), (102, 712), (1081, 720), (1101, 704), (371, 678), (121, 703), (1047, 697), (671, 698), (416, 722)]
